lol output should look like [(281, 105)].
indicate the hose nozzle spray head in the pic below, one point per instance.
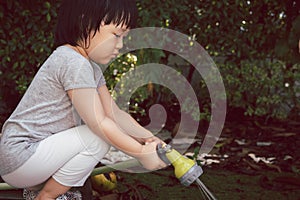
[(186, 170)]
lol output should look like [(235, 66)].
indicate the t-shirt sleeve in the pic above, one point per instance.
[(99, 77), (77, 73)]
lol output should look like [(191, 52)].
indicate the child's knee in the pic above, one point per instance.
[(101, 149), (92, 142), (97, 148)]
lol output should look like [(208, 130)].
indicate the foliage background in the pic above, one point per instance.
[(254, 44)]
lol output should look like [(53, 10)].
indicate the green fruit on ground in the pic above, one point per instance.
[(104, 182)]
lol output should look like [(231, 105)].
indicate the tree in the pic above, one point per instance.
[(26, 40), (253, 42)]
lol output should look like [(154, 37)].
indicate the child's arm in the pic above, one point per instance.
[(88, 105), (123, 119)]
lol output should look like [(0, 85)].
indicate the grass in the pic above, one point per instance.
[(223, 184)]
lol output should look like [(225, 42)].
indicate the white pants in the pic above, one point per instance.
[(69, 157)]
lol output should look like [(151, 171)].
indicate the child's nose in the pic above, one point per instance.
[(119, 43)]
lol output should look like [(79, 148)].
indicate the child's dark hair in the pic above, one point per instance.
[(78, 18)]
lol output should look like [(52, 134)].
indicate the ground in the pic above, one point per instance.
[(223, 184), (252, 160)]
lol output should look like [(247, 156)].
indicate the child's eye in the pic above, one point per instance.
[(118, 36)]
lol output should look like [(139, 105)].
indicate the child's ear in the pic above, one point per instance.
[(102, 23)]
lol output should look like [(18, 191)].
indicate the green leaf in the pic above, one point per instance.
[(48, 16), (47, 5)]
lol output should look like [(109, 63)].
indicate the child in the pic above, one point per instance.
[(43, 141)]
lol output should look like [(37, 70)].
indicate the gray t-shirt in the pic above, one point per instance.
[(45, 108)]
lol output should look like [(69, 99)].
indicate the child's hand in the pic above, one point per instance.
[(148, 140), (149, 158), (152, 139)]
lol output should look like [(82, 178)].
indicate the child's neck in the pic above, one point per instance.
[(80, 50)]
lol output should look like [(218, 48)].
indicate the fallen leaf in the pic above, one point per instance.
[(263, 159), (273, 167), (288, 157), (240, 142), (263, 144), (252, 165), (284, 134)]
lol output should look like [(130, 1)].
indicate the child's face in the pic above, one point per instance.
[(107, 42)]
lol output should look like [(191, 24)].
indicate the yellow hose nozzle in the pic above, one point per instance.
[(186, 170)]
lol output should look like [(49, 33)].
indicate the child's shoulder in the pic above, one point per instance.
[(67, 54), (66, 51)]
